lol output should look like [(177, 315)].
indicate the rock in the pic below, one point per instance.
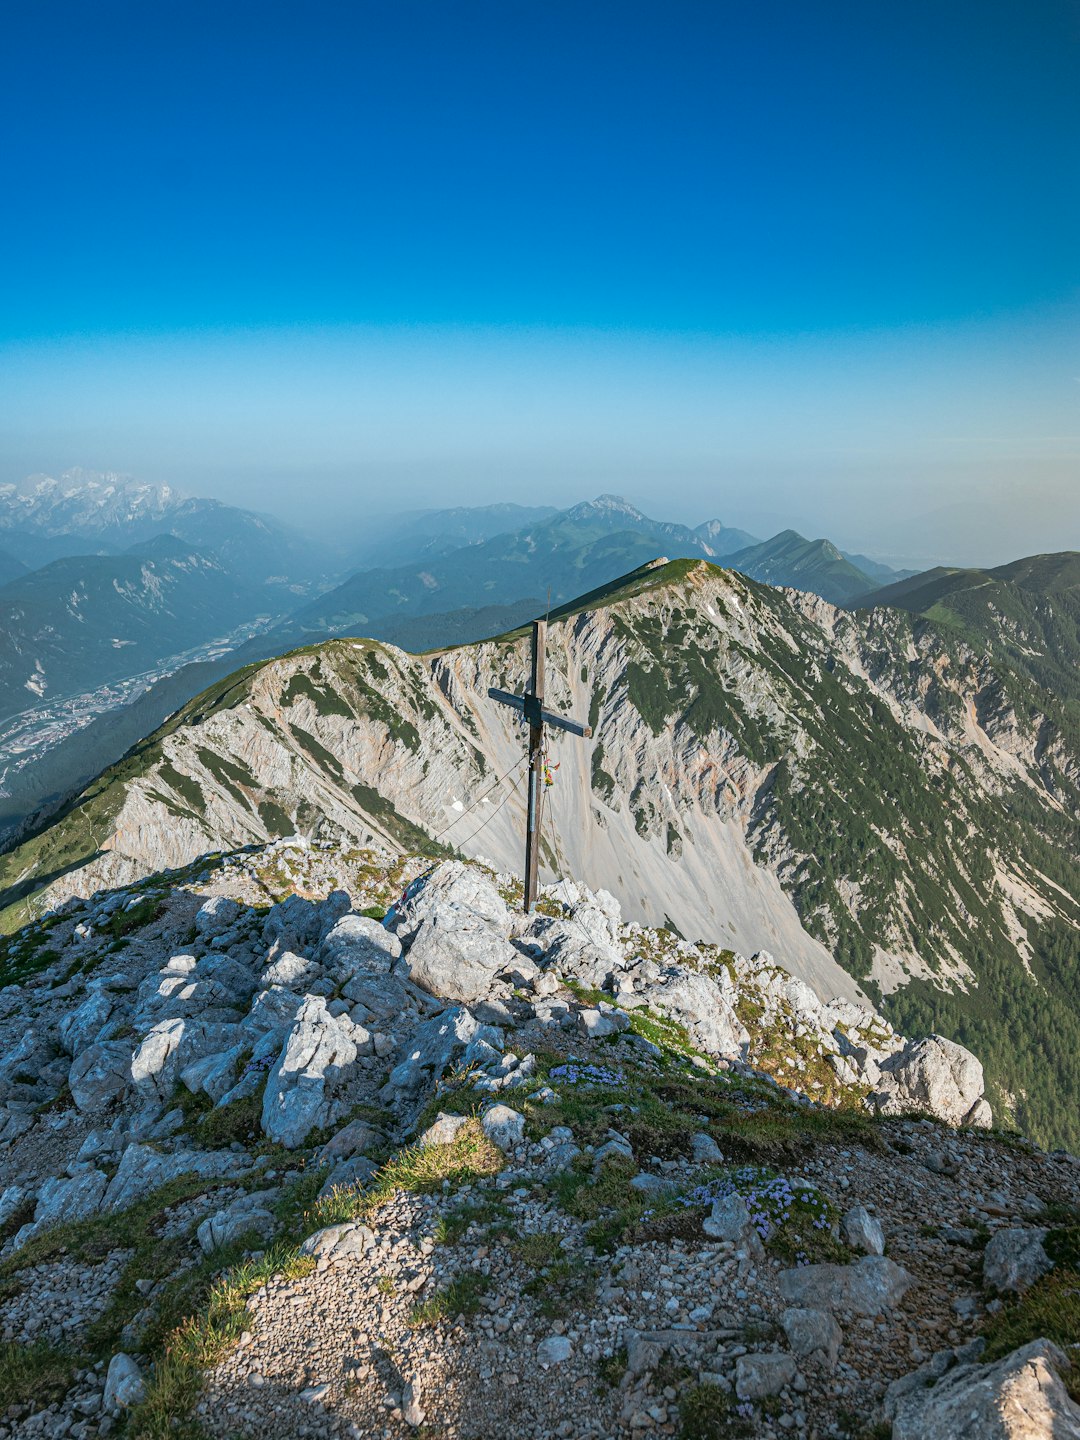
[(554, 1350), (337, 1243), (862, 1232), (61, 1201), (412, 1412), (444, 1130), (355, 1136), (347, 1174), (99, 1075), (216, 915), (1015, 1259), (1020, 1397), (935, 1075), (124, 1384), (980, 1116), (697, 1002), (457, 954), (813, 1331), (171, 1045), (452, 888), (729, 1219), (503, 1127), (759, 1376), (291, 970), (143, 1169), (248, 1214), (356, 944), (427, 1053), (316, 1058), (82, 1026), (704, 1149), (11, 1202), (866, 1287)]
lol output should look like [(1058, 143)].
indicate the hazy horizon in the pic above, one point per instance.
[(780, 269)]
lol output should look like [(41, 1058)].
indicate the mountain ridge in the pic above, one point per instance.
[(781, 773)]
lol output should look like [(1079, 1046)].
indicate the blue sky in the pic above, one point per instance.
[(774, 261)]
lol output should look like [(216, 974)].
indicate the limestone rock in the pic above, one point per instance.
[(1015, 1259), (337, 1243), (759, 1376), (1020, 1397), (457, 954), (935, 1075), (300, 1090), (358, 945), (813, 1331), (503, 1127), (248, 1214), (867, 1287), (99, 1075), (124, 1384), (862, 1232), (444, 1130)]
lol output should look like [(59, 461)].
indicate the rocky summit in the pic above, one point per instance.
[(303, 1140)]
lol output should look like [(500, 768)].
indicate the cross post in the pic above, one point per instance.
[(531, 707)]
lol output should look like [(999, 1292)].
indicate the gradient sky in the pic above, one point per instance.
[(783, 263)]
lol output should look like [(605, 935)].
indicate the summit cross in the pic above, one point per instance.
[(531, 706)]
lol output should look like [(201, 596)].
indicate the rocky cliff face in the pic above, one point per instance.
[(249, 1110), (859, 794)]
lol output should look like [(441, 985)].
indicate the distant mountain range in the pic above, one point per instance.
[(86, 621), (74, 618), (83, 512)]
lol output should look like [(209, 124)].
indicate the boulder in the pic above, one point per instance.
[(451, 888), (424, 1057), (862, 1232), (347, 1174), (504, 1127), (82, 1026), (170, 1046), (934, 1075), (338, 1242), (1020, 1397), (290, 970), (729, 1219), (62, 1200), (866, 1287), (811, 1332), (317, 1056), (358, 1135), (248, 1215), (124, 1384), (143, 1170), (1015, 1259), (759, 1376), (443, 1131), (457, 954), (698, 1003), (356, 944), (99, 1075), (216, 915)]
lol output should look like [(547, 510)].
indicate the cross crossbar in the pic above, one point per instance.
[(531, 706)]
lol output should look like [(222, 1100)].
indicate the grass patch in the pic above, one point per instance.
[(419, 1169), (36, 1374), (562, 1287), (708, 1413), (1049, 1309), (199, 1341), (461, 1297)]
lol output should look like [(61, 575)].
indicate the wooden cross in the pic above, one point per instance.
[(531, 705)]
